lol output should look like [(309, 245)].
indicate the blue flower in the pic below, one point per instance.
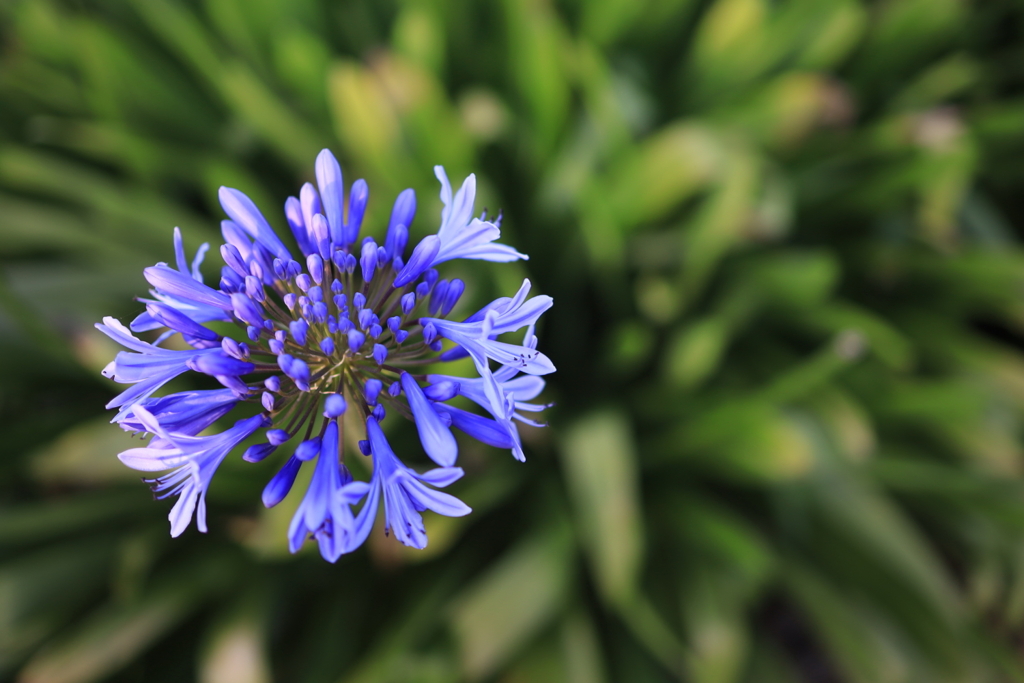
[(463, 236), (150, 367), (192, 461), (325, 511), (405, 494), (187, 413), (505, 397), (477, 337), (342, 323), (196, 310)]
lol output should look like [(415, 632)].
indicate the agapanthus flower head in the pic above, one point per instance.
[(343, 324)]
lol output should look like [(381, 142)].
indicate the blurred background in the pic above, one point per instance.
[(784, 242)]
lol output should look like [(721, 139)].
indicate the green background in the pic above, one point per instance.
[(784, 243)]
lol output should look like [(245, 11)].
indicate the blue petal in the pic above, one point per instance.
[(184, 286), (246, 309), (441, 476), (220, 364), (181, 513), (437, 501), (198, 261), (179, 251), (243, 212), (235, 236), (332, 194), (310, 203), (307, 450), (179, 322), (366, 517), (421, 259), (443, 390), (458, 210), (297, 224), (281, 483), (257, 452), (482, 429), (402, 517), (113, 328), (437, 439), (353, 492), (398, 227), (185, 413), (358, 196)]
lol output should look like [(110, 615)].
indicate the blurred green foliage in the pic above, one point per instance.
[(783, 241)]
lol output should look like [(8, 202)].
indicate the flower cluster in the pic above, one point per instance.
[(349, 327)]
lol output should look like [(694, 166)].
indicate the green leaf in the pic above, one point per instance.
[(86, 456), (135, 215), (40, 591), (848, 633), (272, 118), (48, 519), (727, 45), (184, 34), (793, 277), (235, 649), (668, 168), (112, 636), (884, 340), (601, 468), (519, 595), (365, 120), (536, 43), (746, 440), (716, 629), (582, 651), (695, 351)]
